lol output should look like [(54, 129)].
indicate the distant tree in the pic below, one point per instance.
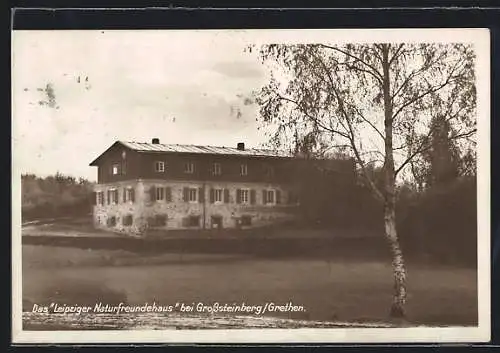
[(54, 195), (375, 102)]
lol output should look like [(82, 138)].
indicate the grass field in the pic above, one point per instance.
[(347, 290)]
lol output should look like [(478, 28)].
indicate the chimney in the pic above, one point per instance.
[(155, 141), (241, 146)]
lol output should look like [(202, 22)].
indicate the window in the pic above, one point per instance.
[(270, 196), (246, 220), (159, 166), (218, 195), (243, 169), (161, 220), (128, 195), (216, 221), (127, 220), (160, 194), (192, 194), (100, 198), (242, 196), (192, 221), (115, 169), (168, 194), (189, 167), (111, 221), (217, 169), (113, 196)]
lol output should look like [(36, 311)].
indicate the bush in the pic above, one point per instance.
[(441, 223), (55, 196)]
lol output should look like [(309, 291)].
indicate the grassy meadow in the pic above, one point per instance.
[(329, 289)]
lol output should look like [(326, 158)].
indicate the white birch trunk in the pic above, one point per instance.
[(399, 299)]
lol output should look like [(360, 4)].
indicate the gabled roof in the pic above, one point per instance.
[(195, 149)]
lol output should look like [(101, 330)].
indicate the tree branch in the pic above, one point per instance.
[(398, 50), (421, 149), (373, 70), (314, 119), (367, 121), (429, 91)]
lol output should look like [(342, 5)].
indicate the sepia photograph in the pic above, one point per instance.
[(258, 186)]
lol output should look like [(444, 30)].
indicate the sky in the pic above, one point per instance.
[(130, 86), (185, 87)]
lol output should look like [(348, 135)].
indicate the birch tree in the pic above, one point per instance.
[(375, 102)]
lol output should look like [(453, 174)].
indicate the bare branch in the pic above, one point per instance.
[(398, 50), (429, 91), (314, 119), (423, 148), (367, 121), (373, 70)]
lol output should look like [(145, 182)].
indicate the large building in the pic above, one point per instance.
[(154, 186)]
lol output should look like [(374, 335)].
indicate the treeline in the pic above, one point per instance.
[(437, 223), (55, 196)]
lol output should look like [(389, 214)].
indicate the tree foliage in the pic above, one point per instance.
[(384, 104), (332, 94), (55, 195)]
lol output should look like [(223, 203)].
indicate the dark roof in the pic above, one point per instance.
[(196, 149)]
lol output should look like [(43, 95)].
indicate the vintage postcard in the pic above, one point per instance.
[(251, 186)]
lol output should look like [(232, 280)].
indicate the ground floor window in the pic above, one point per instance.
[(111, 221), (246, 220), (216, 221), (159, 220), (127, 220), (192, 221)]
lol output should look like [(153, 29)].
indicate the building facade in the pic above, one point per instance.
[(154, 186)]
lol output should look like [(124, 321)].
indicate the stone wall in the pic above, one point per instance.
[(176, 210)]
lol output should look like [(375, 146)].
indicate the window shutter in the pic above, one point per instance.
[(252, 197), (94, 198), (238, 195), (124, 195), (132, 195), (201, 195), (278, 196), (212, 196), (185, 194), (108, 197), (168, 194), (226, 195), (152, 193), (264, 197), (116, 195)]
